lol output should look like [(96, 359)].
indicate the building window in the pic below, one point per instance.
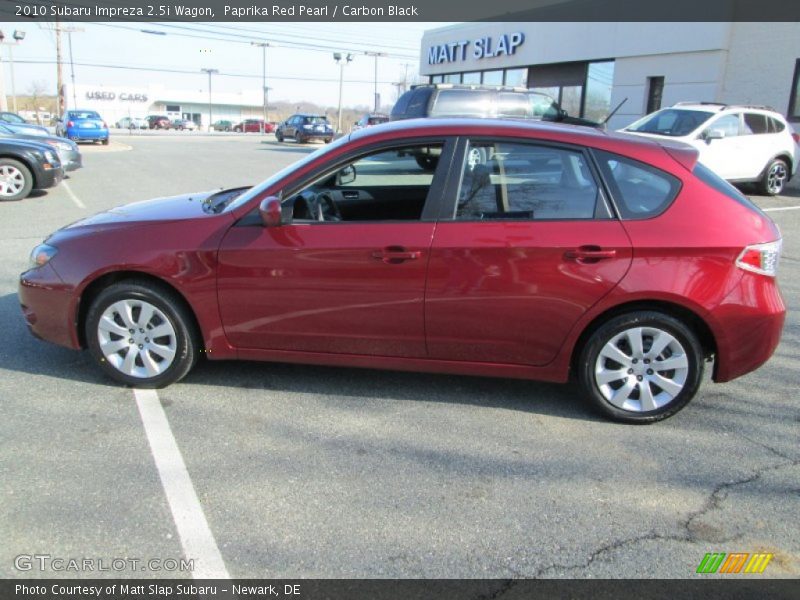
[(493, 77), (173, 108), (452, 78), (437, 79), (655, 90), (794, 101), (599, 83), (516, 77), (473, 78)]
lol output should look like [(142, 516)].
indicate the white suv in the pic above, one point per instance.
[(740, 143)]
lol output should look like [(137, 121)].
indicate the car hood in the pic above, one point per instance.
[(27, 128), (26, 144), (172, 208)]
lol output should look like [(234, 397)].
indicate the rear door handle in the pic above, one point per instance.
[(394, 255), (589, 254)]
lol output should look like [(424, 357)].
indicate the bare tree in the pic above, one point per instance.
[(36, 92)]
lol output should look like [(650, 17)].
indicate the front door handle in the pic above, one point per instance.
[(394, 255), (589, 254)]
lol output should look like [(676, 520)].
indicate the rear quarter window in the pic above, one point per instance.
[(640, 191), (462, 103)]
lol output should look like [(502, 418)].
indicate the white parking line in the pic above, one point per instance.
[(72, 195), (196, 538), (781, 208)]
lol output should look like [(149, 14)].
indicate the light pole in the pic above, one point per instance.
[(264, 92), (18, 36), (376, 97), (210, 73), (337, 56)]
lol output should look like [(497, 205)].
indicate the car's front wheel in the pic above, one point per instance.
[(641, 367), (16, 181), (141, 334), (775, 177)]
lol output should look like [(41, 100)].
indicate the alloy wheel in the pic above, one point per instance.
[(776, 178), (641, 369), (136, 338), (11, 180)]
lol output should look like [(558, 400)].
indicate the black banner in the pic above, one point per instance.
[(738, 588), (397, 10)]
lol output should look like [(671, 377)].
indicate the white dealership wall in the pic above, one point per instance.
[(718, 62), (116, 102)]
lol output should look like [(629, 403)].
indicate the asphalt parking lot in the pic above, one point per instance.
[(304, 471)]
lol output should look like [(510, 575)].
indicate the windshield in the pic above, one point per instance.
[(83, 114), (673, 122), (309, 158), (315, 120), (12, 118)]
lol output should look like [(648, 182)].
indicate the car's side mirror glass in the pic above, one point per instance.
[(270, 212), (346, 175)]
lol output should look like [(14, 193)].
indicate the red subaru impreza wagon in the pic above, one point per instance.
[(476, 247)]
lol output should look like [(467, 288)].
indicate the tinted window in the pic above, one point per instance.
[(462, 103), (418, 103), (401, 105), (755, 124), (775, 126), (83, 114), (510, 104), (506, 180), (11, 118), (640, 190), (671, 122), (315, 120)]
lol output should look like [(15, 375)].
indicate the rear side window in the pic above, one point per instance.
[(755, 124), (417, 105), (462, 103), (639, 190), (775, 126), (707, 176)]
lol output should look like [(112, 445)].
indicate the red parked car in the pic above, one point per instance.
[(254, 126), (524, 250)]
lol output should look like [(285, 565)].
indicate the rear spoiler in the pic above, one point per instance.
[(684, 154)]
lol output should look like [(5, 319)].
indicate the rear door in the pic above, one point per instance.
[(526, 246)]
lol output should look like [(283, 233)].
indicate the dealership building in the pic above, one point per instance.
[(590, 68), (115, 102)]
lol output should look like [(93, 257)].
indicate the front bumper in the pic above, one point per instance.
[(70, 160), (47, 305), (748, 326), (47, 178)]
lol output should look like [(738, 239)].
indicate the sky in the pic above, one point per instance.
[(294, 73)]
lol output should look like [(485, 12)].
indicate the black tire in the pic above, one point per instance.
[(328, 140), (187, 343), (279, 136), (27, 179), (299, 138), (687, 342), (105, 142), (775, 178)]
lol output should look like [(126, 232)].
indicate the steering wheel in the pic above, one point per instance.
[(326, 209)]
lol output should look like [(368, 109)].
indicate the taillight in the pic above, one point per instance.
[(761, 258), (796, 138), (70, 124)]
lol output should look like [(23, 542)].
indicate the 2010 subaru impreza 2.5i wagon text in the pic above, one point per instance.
[(478, 247)]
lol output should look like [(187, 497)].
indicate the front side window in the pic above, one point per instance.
[(728, 125), (388, 185), (11, 118), (640, 190), (509, 180)]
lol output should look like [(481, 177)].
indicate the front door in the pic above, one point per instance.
[(347, 274)]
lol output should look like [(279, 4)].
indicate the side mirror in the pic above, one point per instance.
[(270, 211), (346, 175), (713, 134)]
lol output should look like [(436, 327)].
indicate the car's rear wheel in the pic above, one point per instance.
[(16, 181), (279, 136), (141, 334), (105, 142), (775, 177), (641, 367)]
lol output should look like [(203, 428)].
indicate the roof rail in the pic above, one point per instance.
[(724, 105)]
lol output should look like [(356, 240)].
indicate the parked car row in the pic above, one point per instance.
[(31, 158)]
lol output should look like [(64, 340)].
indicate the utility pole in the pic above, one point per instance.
[(210, 73), (61, 101), (18, 36), (337, 56), (69, 31), (264, 93), (376, 97)]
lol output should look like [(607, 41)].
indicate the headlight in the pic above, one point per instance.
[(63, 146), (51, 157), (41, 255)]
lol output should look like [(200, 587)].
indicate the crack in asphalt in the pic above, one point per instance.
[(715, 498)]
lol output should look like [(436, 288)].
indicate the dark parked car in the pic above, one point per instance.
[(369, 120), (68, 152), (83, 126), (158, 122), (482, 101), (222, 125), (567, 250), (254, 126), (304, 128), (20, 125), (26, 166)]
